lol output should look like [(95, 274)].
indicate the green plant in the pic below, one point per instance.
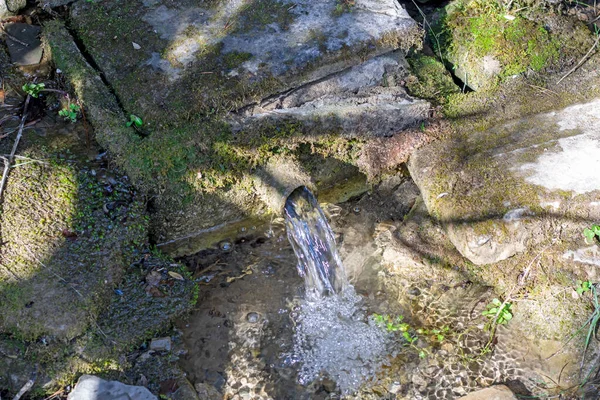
[(592, 233), (391, 324), (498, 312), (135, 121), (396, 324), (437, 335), (70, 113), (343, 6), (583, 286), (33, 89)]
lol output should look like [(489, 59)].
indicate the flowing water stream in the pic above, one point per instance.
[(260, 331), (334, 337)]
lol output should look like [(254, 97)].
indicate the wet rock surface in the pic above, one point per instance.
[(499, 392), (24, 44)]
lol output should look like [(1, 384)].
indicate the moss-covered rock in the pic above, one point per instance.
[(430, 79), (498, 189), (486, 43), (200, 171), (68, 231)]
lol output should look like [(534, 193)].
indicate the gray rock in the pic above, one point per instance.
[(24, 44), (499, 392), (45, 4), (501, 191), (161, 344), (207, 392), (91, 387), (11, 7)]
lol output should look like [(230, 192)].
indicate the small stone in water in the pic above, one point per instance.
[(243, 229), (225, 246), (252, 317)]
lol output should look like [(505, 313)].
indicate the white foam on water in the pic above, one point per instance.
[(335, 339)]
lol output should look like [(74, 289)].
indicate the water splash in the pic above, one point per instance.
[(334, 337), (313, 242)]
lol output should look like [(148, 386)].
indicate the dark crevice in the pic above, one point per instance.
[(274, 98), (92, 63), (462, 85)]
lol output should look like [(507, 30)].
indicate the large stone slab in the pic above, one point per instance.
[(69, 227), (503, 190), (188, 56), (187, 68)]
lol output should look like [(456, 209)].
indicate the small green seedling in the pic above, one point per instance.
[(583, 286), (33, 89), (344, 6), (135, 121), (436, 334), (592, 233), (70, 113), (498, 311), (391, 324)]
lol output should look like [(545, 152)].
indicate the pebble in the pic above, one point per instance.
[(253, 317), (225, 246), (161, 344), (394, 388)]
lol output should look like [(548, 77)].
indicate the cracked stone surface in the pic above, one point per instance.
[(234, 47)]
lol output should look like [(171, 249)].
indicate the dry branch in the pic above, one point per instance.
[(11, 157)]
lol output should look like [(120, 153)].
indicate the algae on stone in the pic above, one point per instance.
[(486, 43)]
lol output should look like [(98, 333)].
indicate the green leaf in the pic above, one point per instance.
[(589, 234), (440, 338), (135, 120), (422, 354)]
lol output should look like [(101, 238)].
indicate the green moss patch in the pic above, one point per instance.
[(431, 80), (482, 40), (260, 13)]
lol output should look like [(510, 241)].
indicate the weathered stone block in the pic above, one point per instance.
[(501, 191)]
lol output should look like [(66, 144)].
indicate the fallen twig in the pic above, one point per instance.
[(11, 157), (583, 60), (425, 22), (14, 39), (24, 389)]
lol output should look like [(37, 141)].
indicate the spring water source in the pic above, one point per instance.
[(334, 337)]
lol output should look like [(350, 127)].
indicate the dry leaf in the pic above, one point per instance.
[(176, 276), (154, 292), (153, 278)]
